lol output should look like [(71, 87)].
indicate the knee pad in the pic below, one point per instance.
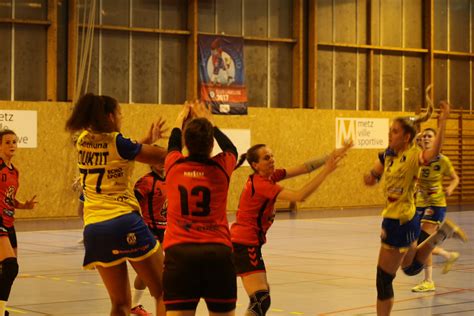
[(259, 303), (384, 285), (423, 236), (414, 268), (8, 273)]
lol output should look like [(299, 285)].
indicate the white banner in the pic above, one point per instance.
[(239, 137), (364, 132), (23, 123)]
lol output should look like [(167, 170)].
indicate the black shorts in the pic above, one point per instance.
[(248, 259), (193, 271), (12, 237), (11, 233), (159, 233)]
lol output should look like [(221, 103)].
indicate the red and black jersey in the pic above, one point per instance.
[(8, 188), (151, 194), (256, 209), (197, 198)]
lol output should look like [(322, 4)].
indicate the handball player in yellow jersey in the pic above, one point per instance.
[(400, 166), (431, 205), (114, 231)]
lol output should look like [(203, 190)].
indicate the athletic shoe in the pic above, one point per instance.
[(140, 310), (453, 231), (424, 286), (453, 257)]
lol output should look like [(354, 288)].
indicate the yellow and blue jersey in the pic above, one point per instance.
[(430, 182), (105, 162), (401, 172)]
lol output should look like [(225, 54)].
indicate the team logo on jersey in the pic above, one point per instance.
[(164, 209), (131, 239), (10, 196)]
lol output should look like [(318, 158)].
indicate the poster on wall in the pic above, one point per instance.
[(221, 73), (365, 133), (23, 123)]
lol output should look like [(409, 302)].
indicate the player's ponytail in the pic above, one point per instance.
[(242, 158), (412, 124)]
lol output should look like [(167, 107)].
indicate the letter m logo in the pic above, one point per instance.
[(345, 129)]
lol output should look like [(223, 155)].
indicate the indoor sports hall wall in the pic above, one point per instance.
[(295, 135)]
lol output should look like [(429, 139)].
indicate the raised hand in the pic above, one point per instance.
[(158, 129), (184, 115), (445, 109), (28, 204), (200, 109), (155, 132), (341, 152)]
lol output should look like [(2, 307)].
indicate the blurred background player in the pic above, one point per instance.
[(431, 205), (9, 183), (77, 187), (150, 192)]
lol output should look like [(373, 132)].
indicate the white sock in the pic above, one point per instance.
[(429, 273), (3, 307), (137, 296)]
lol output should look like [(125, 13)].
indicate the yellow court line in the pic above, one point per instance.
[(12, 310), (296, 313), (42, 277), (276, 310)]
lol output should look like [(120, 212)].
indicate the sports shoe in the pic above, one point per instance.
[(140, 310), (424, 286), (454, 231), (449, 263)]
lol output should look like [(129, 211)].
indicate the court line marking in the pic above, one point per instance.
[(396, 301)]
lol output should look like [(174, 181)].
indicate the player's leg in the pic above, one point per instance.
[(250, 267), (116, 281), (150, 271), (138, 290), (398, 246), (182, 279), (428, 227), (390, 259), (220, 291), (8, 266), (448, 229)]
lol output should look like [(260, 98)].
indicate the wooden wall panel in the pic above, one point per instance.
[(324, 80), (295, 135)]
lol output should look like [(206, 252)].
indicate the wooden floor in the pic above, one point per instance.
[(316, 266)]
